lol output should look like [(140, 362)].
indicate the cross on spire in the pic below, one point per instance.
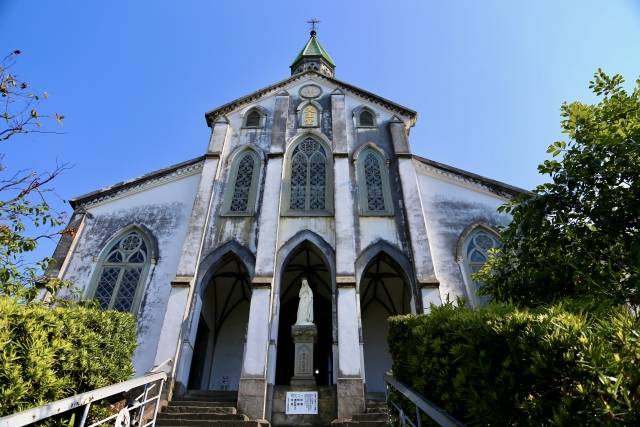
[(313, 22)]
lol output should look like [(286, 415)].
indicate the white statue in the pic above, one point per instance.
[(305, 306)]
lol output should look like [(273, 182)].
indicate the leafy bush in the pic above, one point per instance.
[(502, 365), (52, 353)]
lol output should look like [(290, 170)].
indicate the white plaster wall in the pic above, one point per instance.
[(374, 228), (449, 208), (323, 226), (165, 211)]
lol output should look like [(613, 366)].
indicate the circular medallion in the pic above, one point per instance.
[(310, 91)]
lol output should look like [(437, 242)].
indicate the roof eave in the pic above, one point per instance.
[(212, 115), (83, 198), (496, 186)]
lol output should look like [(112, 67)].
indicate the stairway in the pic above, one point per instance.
[(375, 415), (205, 408)]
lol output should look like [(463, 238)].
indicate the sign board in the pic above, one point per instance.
[(302, 402)]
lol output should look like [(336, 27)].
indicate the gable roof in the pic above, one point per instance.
[(497, 187), (174, 171), (212, 115)]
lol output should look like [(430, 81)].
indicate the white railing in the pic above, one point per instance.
[(140, 411), (421, 405)]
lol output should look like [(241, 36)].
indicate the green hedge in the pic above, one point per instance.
[(52, 353), (505, 366)]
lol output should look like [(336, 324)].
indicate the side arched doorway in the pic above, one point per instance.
[(220, 338), (305, 261), (384, 292)]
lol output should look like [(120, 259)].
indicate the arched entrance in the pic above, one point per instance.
[(384, 292), (221, 333), (305, 261)]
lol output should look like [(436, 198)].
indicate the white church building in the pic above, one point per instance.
[(309, 178)]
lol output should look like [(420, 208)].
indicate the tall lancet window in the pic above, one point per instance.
[(375, 197), (240, 195), (309, 178), (475, 246), (121, 273)]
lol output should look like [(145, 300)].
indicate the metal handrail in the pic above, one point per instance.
[(82, 402), (422, 404), (160, 365)]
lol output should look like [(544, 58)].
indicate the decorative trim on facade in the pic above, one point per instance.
[(181, 282), (137, 185), (212, 115), (429, 285), (346, 281), (261, 282), (428, 282), (466, 179)]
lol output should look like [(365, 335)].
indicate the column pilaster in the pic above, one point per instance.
[(350, 385), (253, 388), (173, 343), (425, 273)]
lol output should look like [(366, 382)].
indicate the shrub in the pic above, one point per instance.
[(501, 365), (48, 354)]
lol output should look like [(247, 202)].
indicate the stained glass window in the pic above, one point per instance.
[(308, 176), (373, 178), (243, 183), (373, 183), (121, 273), (476, 252)]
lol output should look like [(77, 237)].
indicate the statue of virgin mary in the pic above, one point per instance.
[(305, 306)]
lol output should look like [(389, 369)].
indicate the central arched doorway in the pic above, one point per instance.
[(220, 338), (305, 261), (384, 292)]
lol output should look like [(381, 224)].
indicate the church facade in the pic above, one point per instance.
[(309, 178)]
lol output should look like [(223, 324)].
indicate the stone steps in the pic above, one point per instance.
[(375, 415), (210, 396), (166, 418), (202, 409), (199, 408), (202, 403), (219, 423)]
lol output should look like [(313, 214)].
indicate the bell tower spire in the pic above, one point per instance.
[(313, 56)]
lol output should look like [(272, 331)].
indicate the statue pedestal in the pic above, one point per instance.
[(304, 337)]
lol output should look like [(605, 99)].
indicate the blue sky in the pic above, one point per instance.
[(134, 78)]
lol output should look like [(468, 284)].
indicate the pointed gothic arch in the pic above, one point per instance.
[(384, 290), (365, 117), (308, 178), (309, 113), (372, 174), (305, 255), (243, 181), (255, 117), (218, 319), (122, 270), (471, 253)]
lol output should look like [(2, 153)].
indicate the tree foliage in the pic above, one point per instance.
[(579, 234), (25, 214)]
